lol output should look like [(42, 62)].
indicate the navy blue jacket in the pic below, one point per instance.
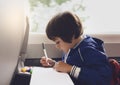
[(90, 56)]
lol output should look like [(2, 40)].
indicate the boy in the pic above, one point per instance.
[(84, 57)]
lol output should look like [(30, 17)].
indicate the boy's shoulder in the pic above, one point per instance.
[(91, 42)]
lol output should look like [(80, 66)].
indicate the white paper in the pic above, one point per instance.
[(48, 76)]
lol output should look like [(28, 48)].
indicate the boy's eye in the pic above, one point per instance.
[(57, 42)]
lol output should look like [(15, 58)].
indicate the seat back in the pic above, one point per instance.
[(12, 20), (116, 71)]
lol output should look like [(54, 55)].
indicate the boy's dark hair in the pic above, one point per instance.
[(64, 25)]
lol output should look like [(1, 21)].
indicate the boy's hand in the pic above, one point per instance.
[(47, 62), (62, 67)]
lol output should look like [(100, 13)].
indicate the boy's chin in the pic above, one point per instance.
[(65, 51)]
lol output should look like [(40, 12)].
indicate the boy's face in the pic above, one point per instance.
[(60, 44)]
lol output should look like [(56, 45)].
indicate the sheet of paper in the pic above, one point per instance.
[(48, 76)]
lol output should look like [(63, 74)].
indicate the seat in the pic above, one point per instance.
[(115, 72)]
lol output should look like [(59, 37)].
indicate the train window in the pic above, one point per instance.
[(97, 16)]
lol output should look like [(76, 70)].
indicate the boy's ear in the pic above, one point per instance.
[(73, 37)]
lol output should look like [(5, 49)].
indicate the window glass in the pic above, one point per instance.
[(97, 16)]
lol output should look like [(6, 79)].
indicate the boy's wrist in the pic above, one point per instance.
[(69, 68)]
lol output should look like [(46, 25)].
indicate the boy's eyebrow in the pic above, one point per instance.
[(55, 39)]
